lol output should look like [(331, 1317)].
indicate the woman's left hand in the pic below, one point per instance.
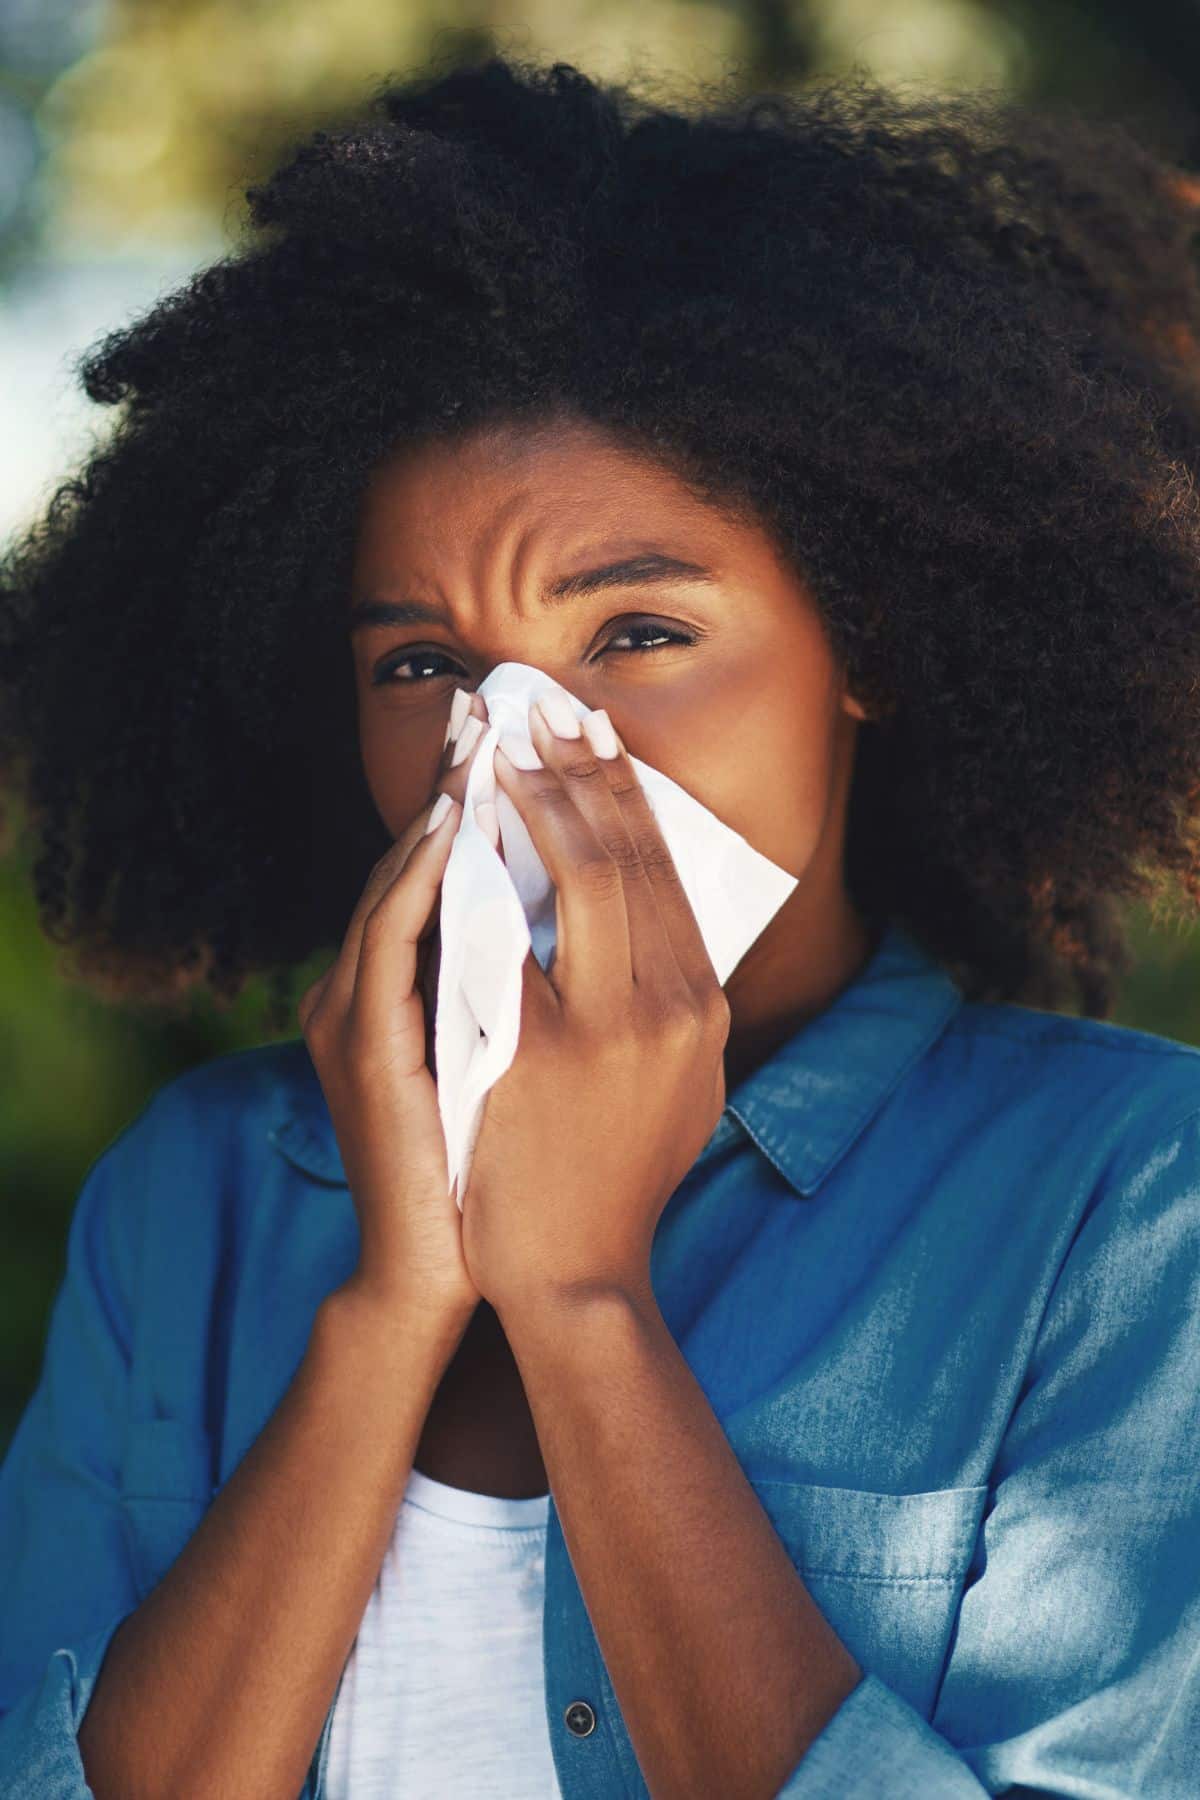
[(618, 1079)]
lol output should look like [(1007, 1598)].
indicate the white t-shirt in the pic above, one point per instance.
[(443, 1693)]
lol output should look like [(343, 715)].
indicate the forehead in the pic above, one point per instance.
[(561, 483)]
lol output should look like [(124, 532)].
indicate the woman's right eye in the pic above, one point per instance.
[(387, 668)]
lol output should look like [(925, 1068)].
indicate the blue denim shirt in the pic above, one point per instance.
[(937, 1271)]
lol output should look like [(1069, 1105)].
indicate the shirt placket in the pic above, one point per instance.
[(592, 1753)]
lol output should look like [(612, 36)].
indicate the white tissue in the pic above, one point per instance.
[(493, 911)]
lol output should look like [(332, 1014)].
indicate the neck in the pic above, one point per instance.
[(791, 973)]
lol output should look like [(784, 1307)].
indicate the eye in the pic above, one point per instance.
[(659, 631), (387, 668), (385, 674)]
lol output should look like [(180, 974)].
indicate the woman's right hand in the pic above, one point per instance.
[(365, 1024)]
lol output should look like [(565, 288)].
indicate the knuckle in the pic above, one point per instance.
[(690, 1019), (313, 993), (373, 923), (384, 872), (656, 857), (623, 852), (599, 876), (718, 1009), (314, 1025), (582, 767), (395, 853), (552, 794), (374, 929), (678, 1018), (624, 784)]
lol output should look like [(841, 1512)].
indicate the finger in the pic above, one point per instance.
[(336, 987), (674, 908), (595, 784), (386, 976), (592, 961), (451, 777), (388, 870), (311, 998), (337, 984)]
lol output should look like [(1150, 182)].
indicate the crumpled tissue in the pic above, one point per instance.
[(492, 911)]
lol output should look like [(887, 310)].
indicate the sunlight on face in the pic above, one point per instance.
[(707, 652)]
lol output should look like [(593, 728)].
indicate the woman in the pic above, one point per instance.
[(805, 1401)]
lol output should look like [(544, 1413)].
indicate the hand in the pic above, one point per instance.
[(618, 1079), (369, 1034)]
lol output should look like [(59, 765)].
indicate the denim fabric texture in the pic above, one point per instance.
[(937, 1271)]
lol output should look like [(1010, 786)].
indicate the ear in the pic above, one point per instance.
[(868, 712)]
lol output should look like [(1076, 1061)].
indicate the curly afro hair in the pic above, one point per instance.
[(943, 349)]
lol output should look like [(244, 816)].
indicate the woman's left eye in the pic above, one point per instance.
[(664, 633), (668, 632)]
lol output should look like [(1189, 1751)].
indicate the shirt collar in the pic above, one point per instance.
[(812, 1099), (804, 1107)]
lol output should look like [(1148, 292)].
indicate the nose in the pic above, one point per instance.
[(512, 669), (505, 686)]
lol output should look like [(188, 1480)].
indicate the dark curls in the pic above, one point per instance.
[(943, 350)]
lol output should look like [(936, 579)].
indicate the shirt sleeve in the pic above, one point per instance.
[(65, 1571), (1074, 1667)]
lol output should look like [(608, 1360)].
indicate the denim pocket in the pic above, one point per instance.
[(166, 1489), (886, 1570)]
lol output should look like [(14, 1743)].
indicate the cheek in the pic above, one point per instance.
[(761, 760), (399, 769)]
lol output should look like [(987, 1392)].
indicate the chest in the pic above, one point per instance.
[(479, 1432)]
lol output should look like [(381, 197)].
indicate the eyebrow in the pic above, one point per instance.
[(646, 570)]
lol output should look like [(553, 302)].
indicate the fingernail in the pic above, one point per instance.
[(559, 715), (441, 807), (488, 820), (460, 706), (468, 738), (519, 752), (600, 735)]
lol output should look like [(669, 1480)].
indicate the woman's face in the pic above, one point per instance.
[(719, 674)]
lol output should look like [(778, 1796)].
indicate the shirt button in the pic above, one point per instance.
[(580, 1718)]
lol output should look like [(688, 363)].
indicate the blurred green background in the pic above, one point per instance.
[(128, 129)]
